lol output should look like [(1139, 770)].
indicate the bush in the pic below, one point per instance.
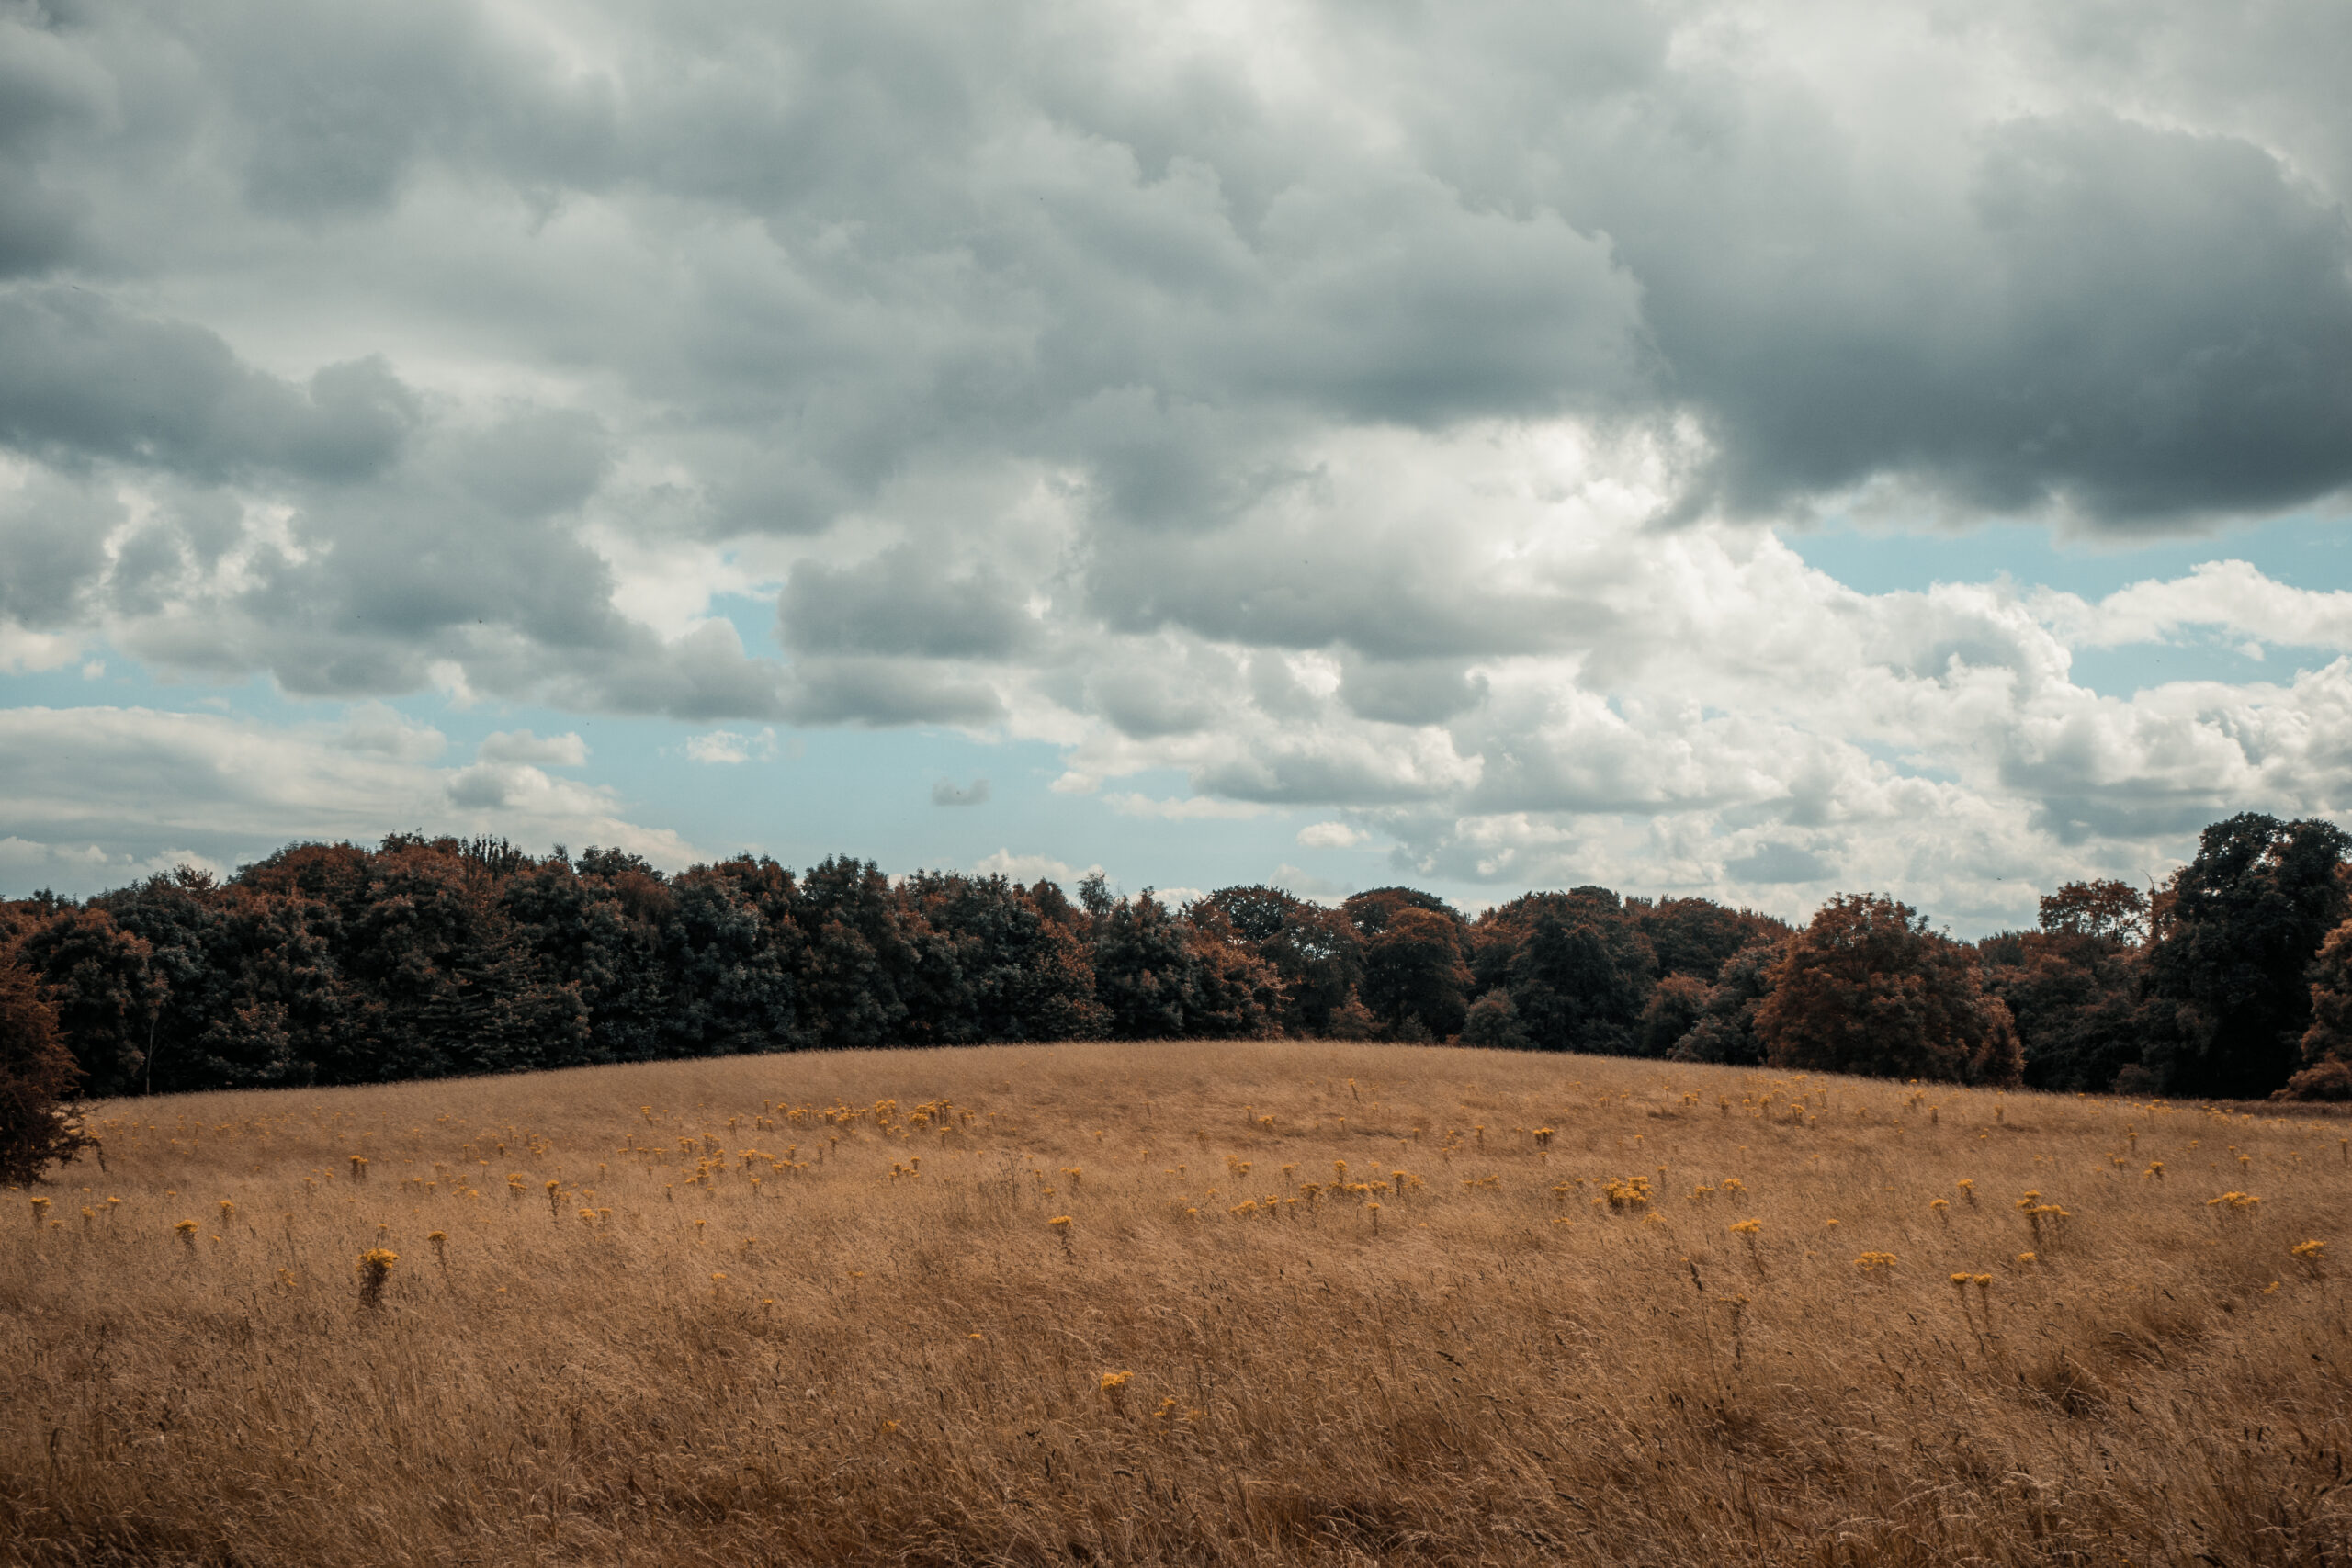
[(2329, 1080), (36, 1074), (1492, 1023)]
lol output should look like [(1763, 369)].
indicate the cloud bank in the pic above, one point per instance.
[(1379, 414)]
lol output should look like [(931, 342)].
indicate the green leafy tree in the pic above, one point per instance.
[(1019, 972), (252, 991), (1577, 969), (1724, 1031), (861, 956), (734, 955), (1491, 1023), (2236, 934), (1145, 971), (600, 927), (106, 992), (2073, 987), (1674, 1010), (1415, 977), (440, 980), (1697, 936)]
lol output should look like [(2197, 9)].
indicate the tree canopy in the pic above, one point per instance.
[(427, 957)]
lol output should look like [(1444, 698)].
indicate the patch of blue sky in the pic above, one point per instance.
[(1903, 761), (2312, 552), (2306, 551), (2120, 672), (802, 794)]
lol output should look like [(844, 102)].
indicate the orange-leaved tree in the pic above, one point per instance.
[(2327, 1043), (36, 1074), (1868, 988)]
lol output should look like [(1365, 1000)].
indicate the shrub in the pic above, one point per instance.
[(2328, 1080)]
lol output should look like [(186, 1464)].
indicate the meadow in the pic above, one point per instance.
[(1188, 1303)]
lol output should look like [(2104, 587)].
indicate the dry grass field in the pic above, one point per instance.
[(1248, 1303)]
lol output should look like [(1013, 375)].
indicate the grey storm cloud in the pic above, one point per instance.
[(1410, 691), (900, 602), (85, 378), (417, 331), (979, 235), (1779, 863), (946, 791), (2140, 323)]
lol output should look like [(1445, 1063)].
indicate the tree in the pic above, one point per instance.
[(1371, 911), (106, 992), (36, 1074), (1697, 936), (2230, 1000), (1314, 951), (862, 959), (732, 954), (1674, 1010), (1416, 983), (1868, 988), (440, 979), (1492, 1024), (601, 927), (1145, 974), (2112, 912), (1576, 964), (2327, 1043), (2073, 987), (1237, 994), (1724, 1032), (1018, 972)]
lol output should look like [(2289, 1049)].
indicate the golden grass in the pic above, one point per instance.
[(1557, 1338)]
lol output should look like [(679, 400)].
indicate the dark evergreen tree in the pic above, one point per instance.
[(862, 958), (1145, 972), (734, 957), (601, 932), (1012, 970)]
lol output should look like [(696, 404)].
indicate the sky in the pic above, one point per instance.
[(1737, 449)]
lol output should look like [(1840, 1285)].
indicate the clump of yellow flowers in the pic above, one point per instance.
[(375, 1269)]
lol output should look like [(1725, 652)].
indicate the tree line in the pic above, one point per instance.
[(427, 957)]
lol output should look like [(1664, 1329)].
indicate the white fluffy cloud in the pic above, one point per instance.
[(1190, 808), (727, 746), (1028, 869), (142, 790), (521, 746)]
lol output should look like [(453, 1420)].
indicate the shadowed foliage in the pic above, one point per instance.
[(327, 964)]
